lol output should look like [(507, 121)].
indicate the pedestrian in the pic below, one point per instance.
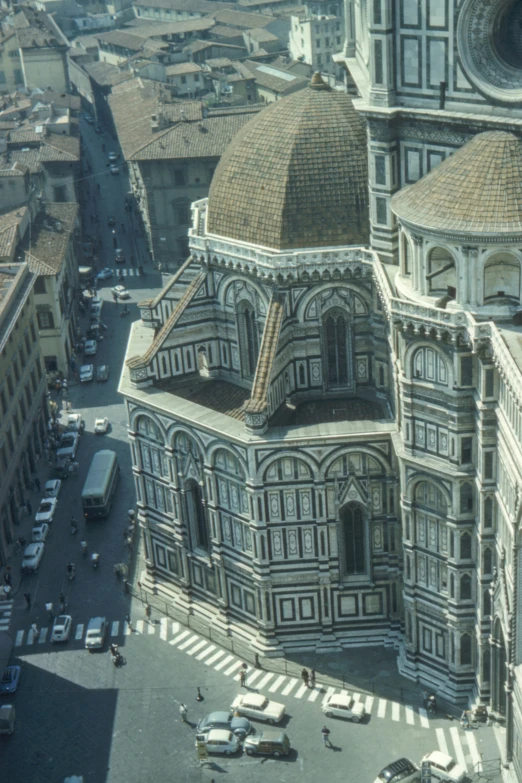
[(27, 597), (7, 576), (312, 678), (242, 675), (35, 630), (128, 621), (325, 731), (37, 484), (304, 676), (7, 591), (148, 611), (49, 610), (29, 509), (61, 599), (183, 712)]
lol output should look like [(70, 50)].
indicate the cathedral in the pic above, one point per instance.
[(325, 401)]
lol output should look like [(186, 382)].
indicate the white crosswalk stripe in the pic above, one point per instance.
[(19, 638), (175, 628), (459, 751), (115, 627), (139, 627), (301, 691), (356, 696), (43, 635), (441, 739), (253, 677), (179, 637), (315, 693), (425, 723), (151, 629), (329, 692), (396, 711), (206, 652), (290, 687), (126, 628), (476, 758), (193, 650), (368, 704), (79, 631), (219, 654), (188, 642), (381, 711), (164, 628), (409, 715), (6, 608), (277, 684), (266, 679), (223, 663), (232, 669)]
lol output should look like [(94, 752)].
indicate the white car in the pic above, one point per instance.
[(52, 488), (255, 705), (75, 423), (91, 346), (120, 291), (96, 631), (61, 628), (32, 558), (40, 533), (67, 445), (86, 372), (46, 509), (342, 705), (101, 426), (219, 741), (114, 169), (444, 767), (112, 156)]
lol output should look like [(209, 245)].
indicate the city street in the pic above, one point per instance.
[(79, 714)]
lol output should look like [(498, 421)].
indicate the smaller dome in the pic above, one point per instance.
[(478, 190)]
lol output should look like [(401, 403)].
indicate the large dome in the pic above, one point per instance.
[(296, 175)]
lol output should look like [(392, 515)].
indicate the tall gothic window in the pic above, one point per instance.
[(249, 339), (196, 516), (336, 344), (352, 522)]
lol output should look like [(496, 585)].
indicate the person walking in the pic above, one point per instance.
[(27, 597), (35, 630), (242, 675), (128, 621), (49, 610), (325, 731), (148, 611), (63, 603), (304, 676), (183, 712), (312, 679), (37, 484)]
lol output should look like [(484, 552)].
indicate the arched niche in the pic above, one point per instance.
[(441, 272), (502, 277)]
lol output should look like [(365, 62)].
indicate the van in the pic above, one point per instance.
[(269, 742), (86, 276), (219, 741)]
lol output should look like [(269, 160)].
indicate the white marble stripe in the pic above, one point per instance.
[(219, 654), (193, 650), (474, 752), (179, 637), (277, 684), (79, 631), (19, 638), (188, 642), (381, 712), (223, 663), (315, 693), (368, 704), (396, 711), (139, 626), (206, 652), (459, 751), (409, 715), (232, 669), (329, 692), (253, 677), (290, 687), (424, 718), (266, 679), (441, 739), (115, 627), (301, 691), (164, 628)]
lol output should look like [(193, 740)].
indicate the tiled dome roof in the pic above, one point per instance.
[(478, 190), (296, 175)]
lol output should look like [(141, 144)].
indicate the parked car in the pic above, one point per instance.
[(444, 767), (120, 291), (32, 558), (269, 742), (112, 156), (93, 331), (255, 705), (114, 169), (224, 720), (342, 705), (10, 679), (95, 313), (400, 771), (61, 628), (96, 630), (105, 273), (219, 741), (86, 372), (102, 372), (101, 426), (89, 119), (68, 445), (52, 488), (120, 256), (46, 509), (90, 348), (40, 532), (111, 220), (75, 423)]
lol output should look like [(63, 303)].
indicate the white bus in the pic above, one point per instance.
[(100, 484)]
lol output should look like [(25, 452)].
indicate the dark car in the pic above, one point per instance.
[(102, 372), (120, 256), (10, 679), (400, 771), (223, 720), (269, 742), (111, 220)]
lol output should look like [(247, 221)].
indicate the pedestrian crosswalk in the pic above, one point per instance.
[(126, 272), (6, 607)]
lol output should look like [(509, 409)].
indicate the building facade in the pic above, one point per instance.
[(316, 34)]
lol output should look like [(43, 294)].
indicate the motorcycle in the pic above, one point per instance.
[(430, 702), (95, 560), (117, 659), (84, 548)]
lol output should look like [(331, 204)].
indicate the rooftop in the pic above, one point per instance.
[(50, 237), (181, 68), (236, 18), (192, 6)]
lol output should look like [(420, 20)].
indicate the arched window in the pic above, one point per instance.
[(430, 496), (488, 512), (336, 346), (149, 429), (465, 546), (502, 277), (487, 561), (486, 603), (465, 649), (248, 338), (429, 365), (465, 587), (196, 516), (441, 274), (203, 362), (466, 498), (352, 522)]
